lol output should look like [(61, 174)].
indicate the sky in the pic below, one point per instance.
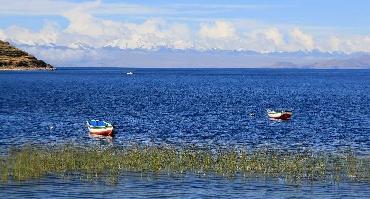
[(263, 26)]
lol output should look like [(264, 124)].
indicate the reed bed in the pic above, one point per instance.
[(107, 164)]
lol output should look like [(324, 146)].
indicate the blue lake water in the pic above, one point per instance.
[(137, 186), (197, 107)]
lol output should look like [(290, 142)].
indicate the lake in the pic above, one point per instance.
[(212, 108)]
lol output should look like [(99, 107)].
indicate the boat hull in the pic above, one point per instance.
[(102, 131), (280, 115)]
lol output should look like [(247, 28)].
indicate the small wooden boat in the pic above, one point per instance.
[(279, 115), (97, 127)]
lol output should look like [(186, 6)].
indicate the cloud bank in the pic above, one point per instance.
[(84, 29), (87, 31)]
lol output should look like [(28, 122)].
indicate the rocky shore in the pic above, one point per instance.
[(12, 58)]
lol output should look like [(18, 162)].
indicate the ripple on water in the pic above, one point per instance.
[(200, 107), (203, 107), (135, 185)]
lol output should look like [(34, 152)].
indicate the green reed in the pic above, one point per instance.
[(107, 164)]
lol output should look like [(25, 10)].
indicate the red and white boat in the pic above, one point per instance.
[(279, 115), (97, 127)]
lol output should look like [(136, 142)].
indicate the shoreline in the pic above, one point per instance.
[(27, 69)]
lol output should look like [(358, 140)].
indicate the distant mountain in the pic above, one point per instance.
[(11, 58), (79, 54), (284, 64), (356, 62)]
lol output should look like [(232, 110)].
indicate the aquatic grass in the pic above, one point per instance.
[(93, 164), (3, 171)]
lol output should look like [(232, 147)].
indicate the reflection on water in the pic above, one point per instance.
[(101, 137)]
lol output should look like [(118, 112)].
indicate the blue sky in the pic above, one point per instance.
[(255, 25)]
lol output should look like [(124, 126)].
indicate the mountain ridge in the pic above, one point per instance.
[(78, 54)]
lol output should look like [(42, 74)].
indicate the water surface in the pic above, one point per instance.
[(196, 107), (138, 186)]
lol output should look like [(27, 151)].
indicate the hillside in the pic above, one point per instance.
[(12, 58)]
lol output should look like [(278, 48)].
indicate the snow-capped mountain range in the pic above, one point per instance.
[(113, 55)]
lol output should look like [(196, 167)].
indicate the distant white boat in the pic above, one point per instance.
[(129, 73)]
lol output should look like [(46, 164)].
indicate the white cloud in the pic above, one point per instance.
[(220, 35), (302, 40), (83, 23), (355, 44), (265, 39), (47, 35), (273, 34), (56, 55), (346, 44), (86, 30), (334, 44), (152, 33), (2, 35), (218, 30)]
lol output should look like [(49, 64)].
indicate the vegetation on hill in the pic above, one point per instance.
[(11, 58)]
